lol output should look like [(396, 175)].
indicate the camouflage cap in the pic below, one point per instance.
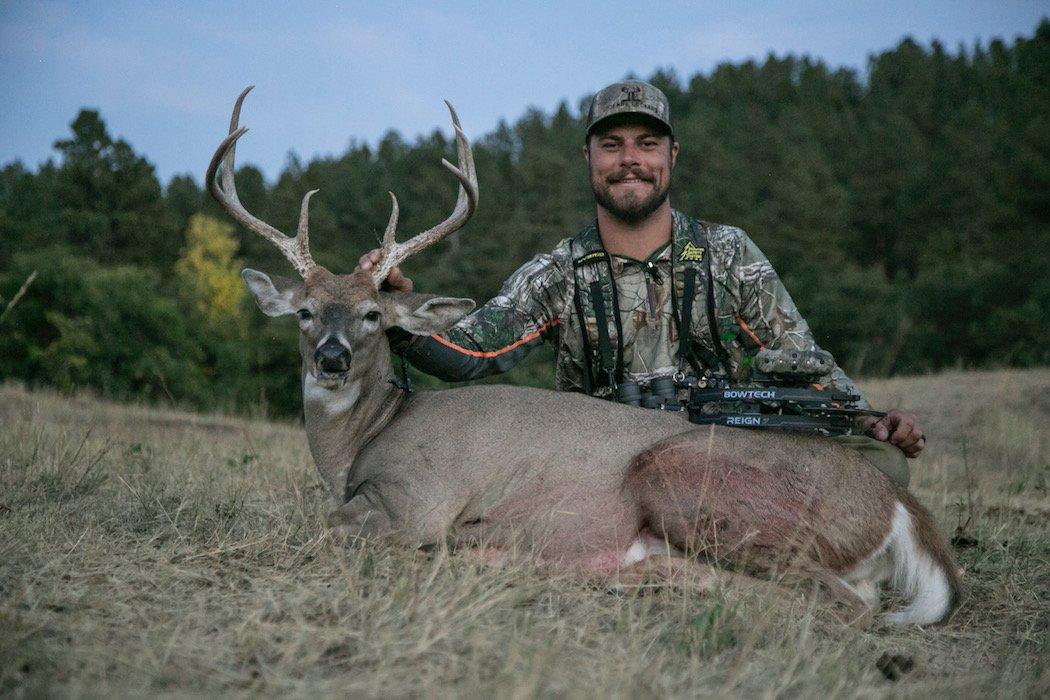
[(629, 97)]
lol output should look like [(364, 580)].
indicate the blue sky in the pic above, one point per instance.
[(164, 75)]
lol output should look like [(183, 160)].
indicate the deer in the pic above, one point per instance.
[(586, 486)]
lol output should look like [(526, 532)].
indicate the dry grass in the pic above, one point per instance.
[(145, 551)]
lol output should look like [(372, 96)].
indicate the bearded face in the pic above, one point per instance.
[(630, 169)]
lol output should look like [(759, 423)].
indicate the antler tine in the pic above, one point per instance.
[(228, 169), (302, 234), (394, 253), (296, 250), (391, 226), (466, 158)]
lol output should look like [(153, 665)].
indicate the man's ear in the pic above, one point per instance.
[(276, 296), (423, 314)]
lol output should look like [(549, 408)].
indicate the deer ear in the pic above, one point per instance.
[(276, 296), (423, 314)]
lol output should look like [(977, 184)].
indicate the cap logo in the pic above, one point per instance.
[(632, 93)]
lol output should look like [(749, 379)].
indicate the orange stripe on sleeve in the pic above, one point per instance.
[(496, 353), (750, 333)]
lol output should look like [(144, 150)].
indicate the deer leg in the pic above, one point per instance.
[(867, 591), (358, 519), (852, 606), (653, 561), (674, 570), (846, 604)]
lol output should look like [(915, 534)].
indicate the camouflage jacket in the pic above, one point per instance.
[(537, 304)]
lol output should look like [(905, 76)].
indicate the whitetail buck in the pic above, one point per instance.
[(577, 483)]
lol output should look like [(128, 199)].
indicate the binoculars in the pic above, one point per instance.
[(662, 393)]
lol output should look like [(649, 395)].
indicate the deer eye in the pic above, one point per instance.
[(304, 314), (372, 316)]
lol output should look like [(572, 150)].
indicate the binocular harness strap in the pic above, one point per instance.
[(604, 366), (712, 318)]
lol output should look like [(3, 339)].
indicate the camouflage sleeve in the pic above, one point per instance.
[(765, 306), (494, 338)]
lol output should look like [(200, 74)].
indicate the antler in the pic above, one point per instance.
[(297, 249), (394, 253)]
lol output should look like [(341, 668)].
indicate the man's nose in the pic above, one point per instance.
[(332, 356), (629, 155)]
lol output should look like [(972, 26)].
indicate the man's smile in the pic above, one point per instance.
[(630, 179)]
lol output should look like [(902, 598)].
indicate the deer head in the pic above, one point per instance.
[(342, 318)]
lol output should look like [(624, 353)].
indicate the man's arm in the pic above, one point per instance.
[(770, 313), (494, 338)]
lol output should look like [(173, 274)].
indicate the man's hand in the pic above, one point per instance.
[(395, 281), (901, 429)]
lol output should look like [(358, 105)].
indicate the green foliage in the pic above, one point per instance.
[(111, 328), (907, 210)]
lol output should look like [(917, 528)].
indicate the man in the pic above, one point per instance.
[(643, 291)]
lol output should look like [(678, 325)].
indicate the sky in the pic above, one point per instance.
[(164, 74)]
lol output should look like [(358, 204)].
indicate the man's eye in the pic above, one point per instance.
[(372, 316), (304, 314)]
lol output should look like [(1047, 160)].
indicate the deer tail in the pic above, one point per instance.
[(924, 570)]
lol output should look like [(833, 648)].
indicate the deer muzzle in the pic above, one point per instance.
[(332, 357)]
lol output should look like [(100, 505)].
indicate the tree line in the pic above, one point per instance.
[(907, 209)]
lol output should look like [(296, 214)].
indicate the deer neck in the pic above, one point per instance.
[(339, 423)]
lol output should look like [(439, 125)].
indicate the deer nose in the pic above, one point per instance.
[(332, 356)]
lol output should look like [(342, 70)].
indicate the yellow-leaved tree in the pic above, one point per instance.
[(210, 275)]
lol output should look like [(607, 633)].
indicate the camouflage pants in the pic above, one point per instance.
[(887, 458)]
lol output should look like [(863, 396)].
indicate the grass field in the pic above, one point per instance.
[(148, 551)]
